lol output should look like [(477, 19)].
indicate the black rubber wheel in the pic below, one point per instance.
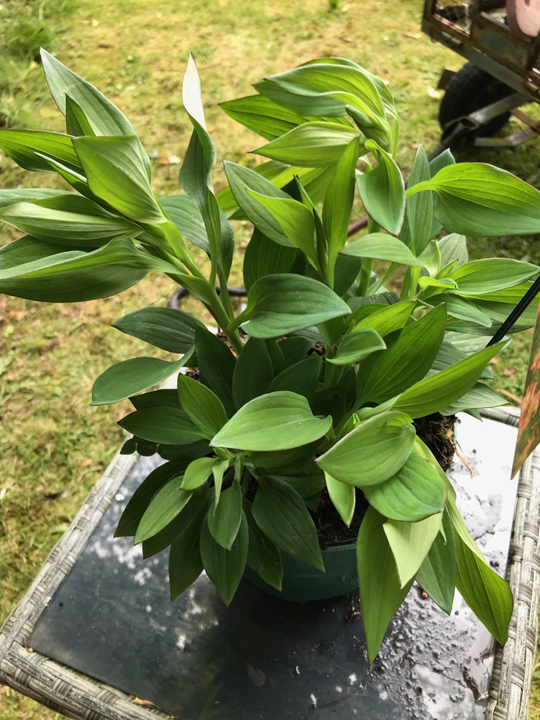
[(471, 89)]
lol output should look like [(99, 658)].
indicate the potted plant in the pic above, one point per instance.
[(294, 440)]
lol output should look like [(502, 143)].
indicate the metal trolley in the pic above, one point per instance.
[(500, 39)]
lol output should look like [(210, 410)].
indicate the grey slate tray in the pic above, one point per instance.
[(91, 613)]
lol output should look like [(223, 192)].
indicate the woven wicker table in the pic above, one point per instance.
[(85, 644)]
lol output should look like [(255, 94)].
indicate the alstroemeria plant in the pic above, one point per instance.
[(270, 422)]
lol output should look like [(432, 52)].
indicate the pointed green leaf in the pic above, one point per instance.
[(167, 425), (357, 345), (185, 564), (380, 591), (117, 175), (185, 214), (479, 199), (130, 377), (407, 359), (216, 365), (201, 405), (276, 421), (453, 247), (437, 574), (415, 492), (21, 145), (253, 372), (72, 286), (446, 387), (382, 191), (165, 328), (301, 378), (382, 247), (343, 496), (280, 304), (372, 452), (262, 115), (225, 568), (224, 521), (485, 592), (164, 507), (491, 274), (314, 144), (264, 556), (265, 257), (142, 496), (295, 220), (69, 220), (410, 543), (387, 319), (281, 514), (339, 198), (197, 472), (420, 206)]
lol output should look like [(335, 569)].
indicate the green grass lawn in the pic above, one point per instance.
[(54, 444)]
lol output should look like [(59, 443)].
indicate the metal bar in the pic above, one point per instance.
[(516, 313), (535, 125), (484, 115), (512, 141)]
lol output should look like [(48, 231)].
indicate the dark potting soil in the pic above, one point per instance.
[(438, 434)]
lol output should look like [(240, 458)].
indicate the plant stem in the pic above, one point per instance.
[(372, 289), (365, 276)]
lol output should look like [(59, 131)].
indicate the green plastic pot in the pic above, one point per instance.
[(302, 582)]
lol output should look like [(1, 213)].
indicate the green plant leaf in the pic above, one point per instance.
[(407, 359), (224, 521), (276, 421), (437, 574), (372, 452), (69, 220), (21, 146), (485, 592), (453, 247), (415, 492), (28, 195), (264, 556), (307, 479), (387, 319), (410, 543), (280, 304), (116, 174), (185, 214), (164, 507), (357, 345), (295, 220), (197, 472), (380, 591), (446, 387), (382, 190), (478, 199), (76, 121), (464, 309), (479, 397), (201, 405), (314, 144), (142, 496), (382, 247), (166, 425), (262, 115), (301, 378), (343, 496), (265, 257), (104, 117), (216, 365), (225, 568), (73, 286), (491, 274), (253, 372), (420, 207), (339, 198), (294, 349), (165, 328), (130, 377), (281, 514), (185, 563), (241, 180)]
